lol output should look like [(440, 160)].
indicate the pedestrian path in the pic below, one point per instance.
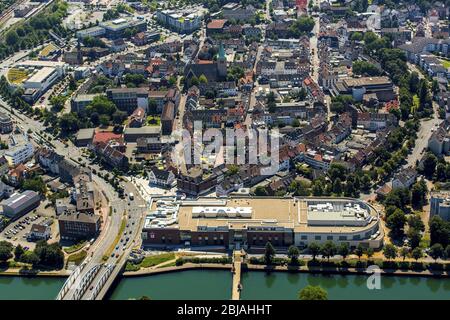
[(236, 270)]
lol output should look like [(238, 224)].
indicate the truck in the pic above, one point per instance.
[(131, 196)]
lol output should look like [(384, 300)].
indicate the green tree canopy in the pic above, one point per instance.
[(313, 293)]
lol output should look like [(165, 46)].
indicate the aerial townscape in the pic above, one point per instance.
[(224, 149)]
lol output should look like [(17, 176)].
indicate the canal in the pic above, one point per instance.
[(216, 284)]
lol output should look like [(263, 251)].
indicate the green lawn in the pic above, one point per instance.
[(150, 261), (74, 248), (153, 121), (77, 257), (416, 103), (446, 63)]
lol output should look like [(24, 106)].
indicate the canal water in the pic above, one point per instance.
[(216, 284), (29, 288)]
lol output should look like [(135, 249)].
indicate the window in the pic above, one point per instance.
[(304, 237), (356, 237), (318, 237), (342, 238), (329, 237)]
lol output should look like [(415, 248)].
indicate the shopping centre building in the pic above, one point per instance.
[(251, 222)]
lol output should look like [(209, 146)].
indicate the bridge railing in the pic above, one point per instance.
[(102, 281), (85, 281), (71, 280)]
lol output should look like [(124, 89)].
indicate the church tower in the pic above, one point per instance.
[(222, 63)]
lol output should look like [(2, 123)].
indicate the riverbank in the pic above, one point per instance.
[(293, 269), (34, 273)]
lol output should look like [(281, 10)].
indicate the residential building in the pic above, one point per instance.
[(137, 118), (128, 99), (168, 118), (49, 159), (237, 12), (20, 150), (162, 178), (404, 179), (39, 232), (440, 204), (182, 21), (439, 142), (148, 145), (6, 124)]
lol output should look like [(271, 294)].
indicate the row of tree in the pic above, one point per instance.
[(35, 31), (49, 256)]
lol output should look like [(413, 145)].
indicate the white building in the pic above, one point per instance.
[(42, 79), (161, 178), (20, 150), (440, 204)]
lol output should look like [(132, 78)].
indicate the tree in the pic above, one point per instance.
[(101, 105), (260, 191), (12, 38), (337, 186), (404, 251), (314, 249), (202, 79), (50, 255), (439, 231), (18, 252), (104, 119), (328, 250), (343, 250), (119, 117), (414, 82), (416, 253), (436, 251), (30, 257), (396, 222), (303, 25), (5, 251), (57, 103), (313, 293), (293, 253), (365, 68), (68, 122), (269, 253), (317, 188), (415, 221), (72, 84), (447, 252), (419, 194), (349, 189), (414, 237), (369, 253), (359, 251), (356, 36), (429, 164), (35, 184), (390, 251)]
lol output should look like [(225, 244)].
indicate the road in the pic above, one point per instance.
[(315, 62), (427, 127), (131, 210)]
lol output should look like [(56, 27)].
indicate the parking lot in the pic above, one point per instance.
[(17, 231)]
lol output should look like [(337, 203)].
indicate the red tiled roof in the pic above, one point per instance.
[(105, 136), (205, 62), (216, 24)]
